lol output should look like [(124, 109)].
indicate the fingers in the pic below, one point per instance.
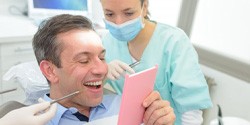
[(114, 71), (161, 116), (151, 103), (158, 111), (126, 67), (49, 114), (153, 96), (44, 111), (116, 68), (111, 77), (165, 120), (36, 108), (41, 100), (155, 110)]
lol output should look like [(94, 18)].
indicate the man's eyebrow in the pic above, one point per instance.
[(80, 54), (87, 53)]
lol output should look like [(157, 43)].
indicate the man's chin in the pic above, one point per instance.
[(96, 102)]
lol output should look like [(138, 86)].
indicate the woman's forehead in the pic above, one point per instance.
[(122, 4)]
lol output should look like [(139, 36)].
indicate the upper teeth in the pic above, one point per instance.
[(94, 83)]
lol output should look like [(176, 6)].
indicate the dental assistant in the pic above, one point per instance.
[(134, 37)]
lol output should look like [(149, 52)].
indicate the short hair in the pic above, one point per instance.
[(45, 43)]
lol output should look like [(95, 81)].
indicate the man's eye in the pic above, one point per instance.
[(102, 58), (83, 62)]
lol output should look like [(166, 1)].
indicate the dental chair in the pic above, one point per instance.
[(32, 82), (9, 106), (30, 79)]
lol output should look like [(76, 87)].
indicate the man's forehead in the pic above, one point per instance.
[(91, 37), (87, 37)]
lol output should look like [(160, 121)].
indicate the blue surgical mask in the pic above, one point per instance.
[(127, 31)]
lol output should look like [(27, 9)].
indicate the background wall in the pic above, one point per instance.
[(5, 4), (230, 93), (223, 26)]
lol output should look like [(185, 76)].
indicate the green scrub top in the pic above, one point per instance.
[(179, 77)]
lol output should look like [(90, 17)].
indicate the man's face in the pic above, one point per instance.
[(83, 67)]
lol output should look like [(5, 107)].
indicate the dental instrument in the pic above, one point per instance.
[(64, 97), (134, 64)]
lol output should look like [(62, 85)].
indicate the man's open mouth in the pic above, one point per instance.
[(93, 85)]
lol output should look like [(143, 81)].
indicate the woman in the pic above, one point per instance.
[(134, 37)]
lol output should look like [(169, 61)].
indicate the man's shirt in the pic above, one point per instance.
[(109, 106)]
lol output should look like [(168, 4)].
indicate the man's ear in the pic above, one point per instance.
[(49, 71)]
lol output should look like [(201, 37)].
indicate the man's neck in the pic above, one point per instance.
[(83, 110), (68, 103)]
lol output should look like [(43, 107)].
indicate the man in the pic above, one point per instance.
[(71, 57)]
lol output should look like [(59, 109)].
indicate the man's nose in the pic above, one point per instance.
[(100, 68)]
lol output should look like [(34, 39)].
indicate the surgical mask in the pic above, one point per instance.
[(127, 31)]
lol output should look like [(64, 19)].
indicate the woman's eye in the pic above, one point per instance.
[(129, 14), (109, 14)]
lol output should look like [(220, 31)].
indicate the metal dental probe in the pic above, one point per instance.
[(64, 97)]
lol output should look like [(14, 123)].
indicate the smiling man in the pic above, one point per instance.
[(71, 57)]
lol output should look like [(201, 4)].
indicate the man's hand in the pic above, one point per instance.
[(158, 111)]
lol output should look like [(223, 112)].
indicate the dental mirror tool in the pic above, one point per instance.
[(134, 64)]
